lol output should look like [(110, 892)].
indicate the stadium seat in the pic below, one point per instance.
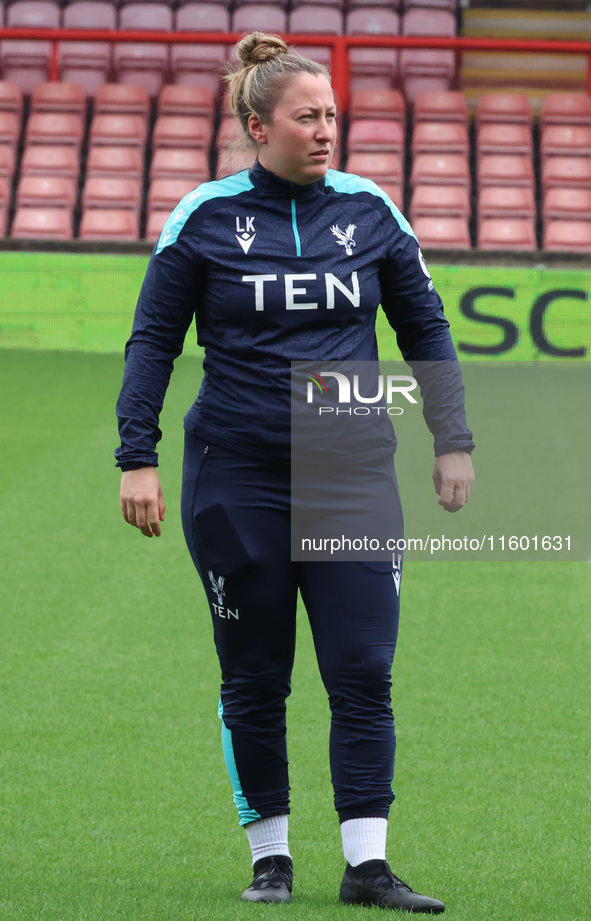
[(112, 192), (143, 63), (165, 194), (234, 160), (444, 106), (87, 63), (7, 161), (507, 233), (373, 68), (440, 169), (376, 134), (312, 18), (200, 64), (261, 16), (60, 128), (566, 109), (567, 236), (122, 99), (450, 5), (184, 163), (378, 104), (46, 192), (5, 191), (567, 204), (566, 141), (110, 224), (41, 160), (193, 131), (439, 201), (440, 137), (186, 100), (506, 201), (42, 223), (425, 69), (493, 138), (11, 97), (394, 191), (24, 61), (121, 162), (442, 232), (58, 97), (505, 108), (10, 127), (566, 172), (505, 170), (381, 167), (154, 224), (229, 132), (118, 130)]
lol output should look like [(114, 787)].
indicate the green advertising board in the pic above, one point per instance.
[(85, 302)]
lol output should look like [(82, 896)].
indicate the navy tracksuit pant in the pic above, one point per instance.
[(236, 519)]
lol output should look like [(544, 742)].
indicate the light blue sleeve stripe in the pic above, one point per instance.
[(351, 184), (206, 191), (245, 813)]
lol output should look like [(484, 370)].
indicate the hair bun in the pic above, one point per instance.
[(259, 47)]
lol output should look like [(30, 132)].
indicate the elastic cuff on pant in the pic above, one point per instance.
[(359, 812)]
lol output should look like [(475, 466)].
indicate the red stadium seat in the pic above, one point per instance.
[(567, 204), (168, 163), (439, 201), (122, 99), (115, 162), (10, 127), (118, 130), (566, 141), (26, 62), (202, 64), (444, 106), (425, 69), (118, 226), (143, 63), (380, 135), (46, 192), (42, 223), (155, 223), (440, 169), (165, 194), (505, 108), (312, 18), (112, 192), (58, 97), (193, 131), (87, 63), (60, 128), (378, 104), (394, 191), (234, 160), (51, 160), (507, 170), (442, 232), (186, 100), (563, 172), (567, 236), (7, 161), (381, 167), (504, 139), (373, 68), (229, 132), (261, 16), (5, 191), (11, 97), (507, 233), (506, 201), (440, 137), (566, 109)]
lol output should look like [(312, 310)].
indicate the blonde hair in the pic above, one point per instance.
[(265, 66)]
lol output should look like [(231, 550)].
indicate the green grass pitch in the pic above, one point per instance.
[(114, 801)]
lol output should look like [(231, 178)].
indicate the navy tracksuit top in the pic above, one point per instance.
[(276, 272)]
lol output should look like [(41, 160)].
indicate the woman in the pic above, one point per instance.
[(256, 257)]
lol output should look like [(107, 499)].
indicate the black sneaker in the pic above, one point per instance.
[(273, 877), (373, 883)]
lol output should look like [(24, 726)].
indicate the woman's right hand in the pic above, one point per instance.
[(142, 502)]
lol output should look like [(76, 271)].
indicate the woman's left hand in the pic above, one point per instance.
[(453, 475)]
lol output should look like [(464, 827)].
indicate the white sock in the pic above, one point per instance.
[(268, 837), (364, 839)]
